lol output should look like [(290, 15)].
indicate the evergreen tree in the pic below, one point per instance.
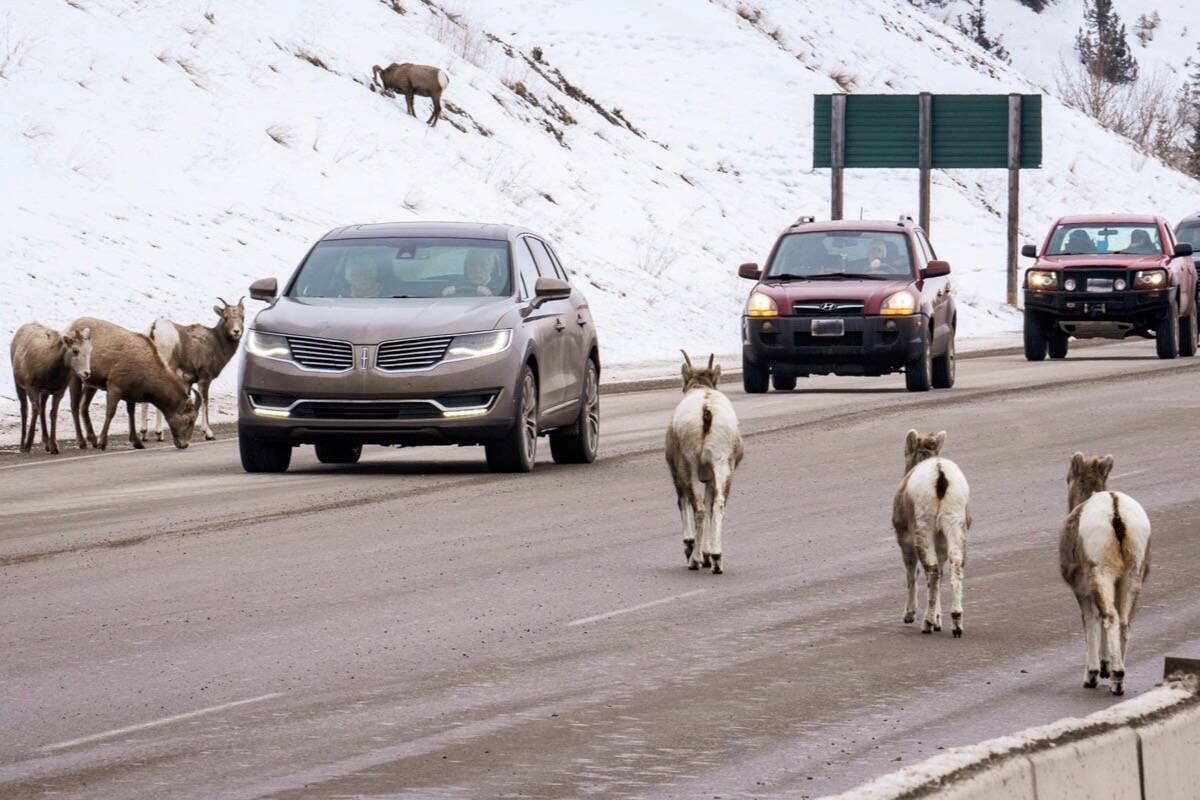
[(1103, 45), (1037, 6), (1190, 99), (975, 27)]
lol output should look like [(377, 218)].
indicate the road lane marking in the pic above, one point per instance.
[(49, 460), (631, 609), (1128, 474), (96, 737)]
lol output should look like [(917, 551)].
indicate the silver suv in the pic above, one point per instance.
[(421, 334)]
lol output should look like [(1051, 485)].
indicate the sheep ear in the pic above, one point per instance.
[(686, 373), (86, 333), (220, 311), (1106, 465), (941, 439), (1076, 465), (910, 441)]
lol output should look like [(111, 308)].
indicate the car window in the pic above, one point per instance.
[(558, 267), (1189, 234), (1102, 239), (878, 254), (526, 268), (924, 251), (545, 266)]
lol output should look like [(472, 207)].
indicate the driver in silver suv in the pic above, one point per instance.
[(421, 334)]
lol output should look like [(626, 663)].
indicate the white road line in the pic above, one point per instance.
[(1127, 474), (95, 737), (631, 609), (51, 460)]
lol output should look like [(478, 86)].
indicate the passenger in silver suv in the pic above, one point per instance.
[(421, 334)]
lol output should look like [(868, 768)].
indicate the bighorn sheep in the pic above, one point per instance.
[(197, 354), (414, 79), (703, 446), (1104, 555), (43, 361), (127, 367), (931, 514)]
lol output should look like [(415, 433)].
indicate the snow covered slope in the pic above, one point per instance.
[(156, 155)]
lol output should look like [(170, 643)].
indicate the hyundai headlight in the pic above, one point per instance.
[(477, 345), (1149, 279), (761, 305), (1041, 279), (268, 345), (899, 304)]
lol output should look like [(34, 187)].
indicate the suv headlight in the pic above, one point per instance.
[(1150, 279), (477, 345), (268, 345), (899, 304), (1041, 279), (761, 305)]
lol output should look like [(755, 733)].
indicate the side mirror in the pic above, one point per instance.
[(750, 271), (264, 289), (1029, 251), (936, 269), (547, 289), (1184, 249)]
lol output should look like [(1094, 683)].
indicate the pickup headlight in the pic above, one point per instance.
[(761, 305), (1040, 279), (477, 345), (899, 304), (268, 345), (1150, 279)]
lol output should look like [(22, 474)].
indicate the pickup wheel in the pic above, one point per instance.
[(1057, 343), (755, 379), (330, 453), (945, 366), (1187, 333), (918, 373), (1167, 333), (260, 456), (1035, 336), (783, 383)]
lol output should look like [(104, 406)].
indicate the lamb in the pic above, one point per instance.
[(931, 514), (1104, 556), (43, 361), (411, 80), (127, 366), (197, 354), (703, 446)]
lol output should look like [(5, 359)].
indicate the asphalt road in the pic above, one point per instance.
[(413, 627)]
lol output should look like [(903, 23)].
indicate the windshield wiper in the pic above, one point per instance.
[(787, 276), (852, 276)]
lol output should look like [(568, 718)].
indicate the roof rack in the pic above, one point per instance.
[(805, 220), (905, 219)]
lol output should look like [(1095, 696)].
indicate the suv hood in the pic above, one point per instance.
[(371, 321), (1100, 261), (871, 292)]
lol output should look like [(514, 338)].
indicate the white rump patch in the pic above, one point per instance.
[(443, 79)]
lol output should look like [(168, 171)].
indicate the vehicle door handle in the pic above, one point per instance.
[(558, 325), (580, 321)]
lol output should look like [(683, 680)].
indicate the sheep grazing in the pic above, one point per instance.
[(703, 447), (127, 366), (43, 361), (1104, 555), (197, 354), (411, 80), (931, 514)]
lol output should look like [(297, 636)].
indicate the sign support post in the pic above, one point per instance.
[(837, 155), (1014, 191), (925, 155)]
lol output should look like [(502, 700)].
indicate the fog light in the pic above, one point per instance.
[(272, 412), (1070, 284), (1119, 284), (465, 412)]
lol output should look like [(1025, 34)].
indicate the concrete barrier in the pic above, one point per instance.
[(1171, 756), (1100, 767), (1008, 780)]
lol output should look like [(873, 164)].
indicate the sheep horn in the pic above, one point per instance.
[(222, 299), (195, 392), (687, 360), (241, 299)]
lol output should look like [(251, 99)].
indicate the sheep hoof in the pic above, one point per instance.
[(137, 444), (957, 633), (1104, 669), (706, 563), (1118, 689), (927, 627), (209, 436), (158, 436), (1091, 681), (937, 628), (693, 566), (909, 616), (716, 565)]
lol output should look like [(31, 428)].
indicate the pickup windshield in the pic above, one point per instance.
[(405, 267), (1105, 239), (840, 255)]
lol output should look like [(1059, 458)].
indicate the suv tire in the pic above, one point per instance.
[(783, 383), (517, 451), (1167, 333), (755, 379), (330, 453), (1187, 333), (1035, 336), (918, 373), (260, 456), (578, 443), (1057, 343), (945, 366)]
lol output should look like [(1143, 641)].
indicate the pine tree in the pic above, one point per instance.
[(1103, 45), (975, 27), (1037, 6), (1190, 99)]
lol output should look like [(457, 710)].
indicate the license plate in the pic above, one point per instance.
[(828, 327), (1099, 284)]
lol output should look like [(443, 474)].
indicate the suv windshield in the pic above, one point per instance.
[(405, 267), (1191, 235), (838, 254), (1088, 239)]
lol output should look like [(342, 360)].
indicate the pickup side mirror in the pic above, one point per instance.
[(1029, 251), (264, 289), (547, 289), (750, 271), (1184, 249), (936, 269)]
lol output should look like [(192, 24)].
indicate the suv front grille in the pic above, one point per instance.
[(828, 308), (409, 409), (321, 354), (411, 354)]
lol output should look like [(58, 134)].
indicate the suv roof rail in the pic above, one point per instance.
[(807, 219), (906, 219)]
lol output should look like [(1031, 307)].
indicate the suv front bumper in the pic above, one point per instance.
[(1140, 308), (871, 345)]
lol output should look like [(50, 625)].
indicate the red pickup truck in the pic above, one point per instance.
[(1107, 276)]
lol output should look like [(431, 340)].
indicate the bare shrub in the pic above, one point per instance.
[(13, 48), (281, 134), (655, 252), (845, 81), (305, 55), (455, 30)]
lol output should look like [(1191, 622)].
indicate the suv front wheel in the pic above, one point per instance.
[(755, 379), (918, 373), (517, 451), (1167, 334), (1035, 336), (260, 456)]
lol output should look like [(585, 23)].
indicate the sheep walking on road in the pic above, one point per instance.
[(128, 368), (197, 353), (931, 514), (411, 80), (1104, 555), (43, 361), (703, 449)]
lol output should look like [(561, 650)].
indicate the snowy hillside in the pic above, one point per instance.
[(158, 154)]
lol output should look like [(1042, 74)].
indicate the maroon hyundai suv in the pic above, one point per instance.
[(849, 298), (1106, 276)]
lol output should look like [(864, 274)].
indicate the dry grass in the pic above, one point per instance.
[(14, 49), (455, 30), (281, 134), (845, 81), (305, 55)]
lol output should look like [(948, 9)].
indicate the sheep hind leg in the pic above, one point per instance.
[(134, 439), (954, 571), (910, 569), (701, 523), (933, 605), (1103, 591), (43, 399), (1091, 633), (408, 98), (437, 110), (52, 448), (208, 431), (35, 413), (85, 403), (112, 399), (715, 500), (24, 402)]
